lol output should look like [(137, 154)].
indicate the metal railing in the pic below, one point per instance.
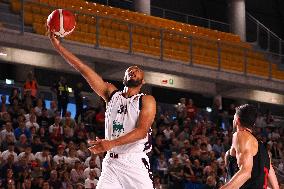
[(172, 15), (200, 52), (263, 36)]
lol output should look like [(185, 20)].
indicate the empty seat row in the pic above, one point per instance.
[(115, 34)]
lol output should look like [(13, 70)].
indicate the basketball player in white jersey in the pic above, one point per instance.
[(129, 116)]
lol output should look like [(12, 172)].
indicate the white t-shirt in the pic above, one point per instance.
[(6, 154), (4, 133), (53, 126), (38, 111), (31, 156), (209, 147), (58, 158), (42, 159), (183, 157), (72, 160), (220, 160), (89, 183), (98, 162), (27, 117), (82, 154), (30, 124), (168, 133), (274, 135), (87, 172)]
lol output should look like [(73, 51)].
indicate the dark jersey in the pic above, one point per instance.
[(260, 169)]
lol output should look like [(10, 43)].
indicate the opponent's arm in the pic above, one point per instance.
[(145, 120), (102, 88), (272, 179), (245, 162)]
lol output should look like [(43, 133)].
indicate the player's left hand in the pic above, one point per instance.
[(100, 146)]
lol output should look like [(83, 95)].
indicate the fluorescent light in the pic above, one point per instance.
[(3, 54), (70, 90), (9, 81), (208, 109)]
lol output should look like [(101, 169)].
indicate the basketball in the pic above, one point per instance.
[(62, 22)]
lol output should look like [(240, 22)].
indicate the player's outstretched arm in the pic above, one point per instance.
[(245, 162), (272, 179), (102, 88), (145, 120)]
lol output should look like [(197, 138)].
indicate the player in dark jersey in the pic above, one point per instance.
[(255, 169)]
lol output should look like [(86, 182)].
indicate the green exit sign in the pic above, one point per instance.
[(171, 81)]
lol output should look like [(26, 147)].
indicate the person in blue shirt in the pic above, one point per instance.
[(21, 129)]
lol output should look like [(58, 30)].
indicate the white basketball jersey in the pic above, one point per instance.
[(121, 118)]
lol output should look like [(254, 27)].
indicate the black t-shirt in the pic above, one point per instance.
[(78, 96), (37, 148), (260, 169), (2, 122), (198, 172), (62, 91), (44, 121)]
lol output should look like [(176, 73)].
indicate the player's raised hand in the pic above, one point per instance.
[(55, 42), (100, 146)]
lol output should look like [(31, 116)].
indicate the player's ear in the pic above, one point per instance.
[(238, 121)]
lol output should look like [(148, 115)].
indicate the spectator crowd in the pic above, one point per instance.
[(47, 148)]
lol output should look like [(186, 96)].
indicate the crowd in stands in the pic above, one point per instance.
[(47, 148)]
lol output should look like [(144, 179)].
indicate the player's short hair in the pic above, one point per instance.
[(247, 115)]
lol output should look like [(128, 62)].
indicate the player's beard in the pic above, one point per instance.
[(131, 83)]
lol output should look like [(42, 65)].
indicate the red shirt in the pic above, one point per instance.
[(191, 111)]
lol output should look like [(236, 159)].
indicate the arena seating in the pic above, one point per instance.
[(179, 39)]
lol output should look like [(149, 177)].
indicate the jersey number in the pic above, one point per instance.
[(266, 172), (122, 109)]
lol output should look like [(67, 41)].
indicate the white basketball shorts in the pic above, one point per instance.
[(125, 171)]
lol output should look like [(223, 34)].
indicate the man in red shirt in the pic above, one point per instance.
[(191, 109)]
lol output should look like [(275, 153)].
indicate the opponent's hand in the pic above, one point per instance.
[(100, 146)]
